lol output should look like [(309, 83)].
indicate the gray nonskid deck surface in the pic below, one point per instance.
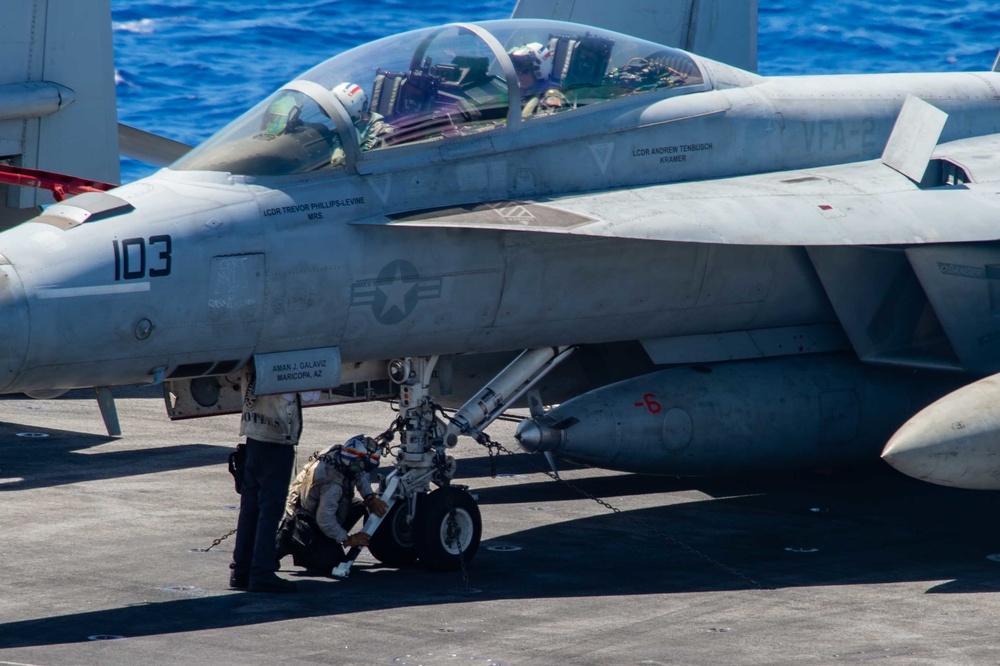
[(799, 568)]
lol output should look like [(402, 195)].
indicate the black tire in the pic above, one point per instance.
[(430, 529), (392, 543)]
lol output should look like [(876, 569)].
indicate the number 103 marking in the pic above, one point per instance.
[(131, 255)]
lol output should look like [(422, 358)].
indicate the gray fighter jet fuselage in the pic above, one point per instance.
[(195, 269), (613, 191)]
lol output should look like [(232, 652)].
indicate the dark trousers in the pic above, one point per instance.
[(262, 503), (321, 553)]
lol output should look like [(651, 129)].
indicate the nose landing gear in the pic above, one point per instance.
[(442, 528), (393, 543), (448, 529)]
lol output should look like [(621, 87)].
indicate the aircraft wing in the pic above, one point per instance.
[(148, 147), (865, 203), (57, 105)]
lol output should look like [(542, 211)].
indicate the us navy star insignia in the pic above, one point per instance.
[(394, 294)]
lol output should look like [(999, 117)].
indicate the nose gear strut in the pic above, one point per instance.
[(443, 528)]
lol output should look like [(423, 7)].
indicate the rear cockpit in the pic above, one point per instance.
[(440, 83)]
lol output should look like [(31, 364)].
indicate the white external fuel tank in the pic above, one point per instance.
[(955, 441)]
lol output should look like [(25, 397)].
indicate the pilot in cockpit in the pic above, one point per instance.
[(540, 95), (549, 102), (372, 127), (533, 64)]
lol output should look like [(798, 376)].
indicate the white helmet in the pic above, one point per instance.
[(353, 98), (533, 58), (359, 454)]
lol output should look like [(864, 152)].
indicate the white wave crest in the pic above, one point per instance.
[(141, 27), (120, 80)]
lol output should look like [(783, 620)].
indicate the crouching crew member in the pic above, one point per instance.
[(322, 507)]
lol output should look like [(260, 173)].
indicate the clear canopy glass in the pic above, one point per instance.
[(436, 83)]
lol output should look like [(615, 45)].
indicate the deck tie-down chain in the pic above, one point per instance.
[(494, 448), (384, 440), (454, 533), (218, 541)]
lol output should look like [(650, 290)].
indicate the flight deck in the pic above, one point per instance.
[(104, 560)]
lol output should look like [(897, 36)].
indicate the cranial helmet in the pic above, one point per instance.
[(353, 98), (359, 454), (533, 58)]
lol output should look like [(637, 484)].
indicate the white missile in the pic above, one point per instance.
[(954, 441)]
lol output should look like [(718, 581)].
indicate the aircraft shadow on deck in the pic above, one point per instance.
[(30, 459), (766, 532)]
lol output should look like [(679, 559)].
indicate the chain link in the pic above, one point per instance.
[(492, 445), (218, 541), (383, 440), (493, 450), (455, 535), (453, 532)]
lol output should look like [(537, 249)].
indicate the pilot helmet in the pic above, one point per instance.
[(532, 62), (554, 100), (353, 98), (359, 454)]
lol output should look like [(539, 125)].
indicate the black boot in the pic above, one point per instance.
[(238, 581), (271, 583)]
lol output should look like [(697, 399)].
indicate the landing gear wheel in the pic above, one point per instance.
[(392, 543), (444, 543)]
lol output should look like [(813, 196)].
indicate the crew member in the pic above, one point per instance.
[(372, 127), (533, 64), (272, 425), (549, 102), (322, 508)]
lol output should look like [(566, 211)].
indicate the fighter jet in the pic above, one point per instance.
[(681, 267)]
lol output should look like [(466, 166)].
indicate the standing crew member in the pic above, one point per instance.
[(272, 425), (322, 507)]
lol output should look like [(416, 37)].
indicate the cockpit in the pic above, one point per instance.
[(438, 83)]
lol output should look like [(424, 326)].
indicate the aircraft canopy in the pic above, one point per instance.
[(437, 83)]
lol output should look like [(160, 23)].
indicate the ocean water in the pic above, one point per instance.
[(185, 68)]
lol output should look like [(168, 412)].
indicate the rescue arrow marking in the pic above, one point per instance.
[(381, 185), (602, 154)]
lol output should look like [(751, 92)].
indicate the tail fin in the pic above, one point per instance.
[(723, 30), (69, 44)]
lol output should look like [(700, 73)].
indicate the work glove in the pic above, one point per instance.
[(359, 539), (375, 505)]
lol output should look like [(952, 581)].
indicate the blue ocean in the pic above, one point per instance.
[(185, 68)]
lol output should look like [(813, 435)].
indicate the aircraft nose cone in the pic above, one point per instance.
[(13, 324), (535, 437), (953, 442)]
